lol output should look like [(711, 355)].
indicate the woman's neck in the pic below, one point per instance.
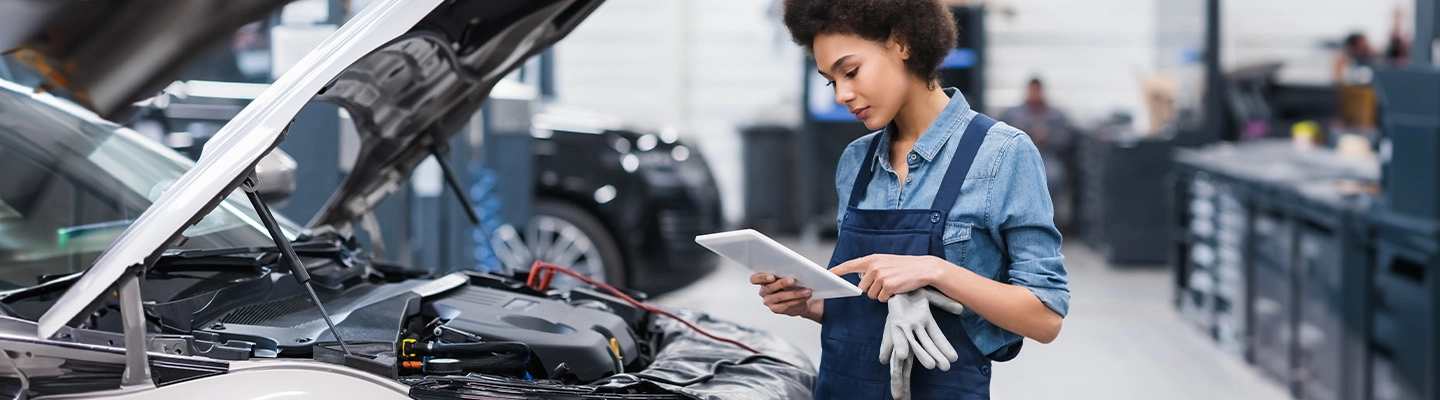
[(919, 111)]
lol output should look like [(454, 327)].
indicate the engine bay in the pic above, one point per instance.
[(461, 335)]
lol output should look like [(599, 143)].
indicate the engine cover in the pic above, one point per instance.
[(557, 332)]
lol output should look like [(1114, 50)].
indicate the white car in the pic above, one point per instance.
[(126, 271)]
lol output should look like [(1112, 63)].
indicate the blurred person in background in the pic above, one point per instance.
[(1356, 60), (1397, 52), (1048, 128)]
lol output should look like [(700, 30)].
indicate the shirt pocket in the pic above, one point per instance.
[(957, 240)]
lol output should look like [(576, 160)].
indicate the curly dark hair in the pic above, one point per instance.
[(926, 26)]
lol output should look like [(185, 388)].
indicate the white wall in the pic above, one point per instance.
[(1295, 31), (705, 67), (708, 67)]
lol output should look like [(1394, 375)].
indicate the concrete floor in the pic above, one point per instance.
[(1122, 339)]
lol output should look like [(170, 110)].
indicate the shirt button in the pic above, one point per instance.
[(985, 369), (935, 218), (912, 157)]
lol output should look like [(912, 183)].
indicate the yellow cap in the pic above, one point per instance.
[(405, 347)]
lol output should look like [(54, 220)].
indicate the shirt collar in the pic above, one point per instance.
[(951, 119)]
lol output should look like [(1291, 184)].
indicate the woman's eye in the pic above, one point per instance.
[(852, 72), (829, 83)]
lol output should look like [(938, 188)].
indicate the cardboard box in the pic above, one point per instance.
[(1359, 108), (1158, 92)]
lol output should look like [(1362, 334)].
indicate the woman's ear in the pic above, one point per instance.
[(898, 45)]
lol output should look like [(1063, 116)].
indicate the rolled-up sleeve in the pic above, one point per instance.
[(1020, 209)]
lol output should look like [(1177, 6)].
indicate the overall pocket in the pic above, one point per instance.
[(957, 240)]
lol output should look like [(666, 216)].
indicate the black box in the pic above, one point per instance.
[(1410, 100)]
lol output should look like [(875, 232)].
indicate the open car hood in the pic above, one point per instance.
[(109, 54), (410, 72), (414, 94)]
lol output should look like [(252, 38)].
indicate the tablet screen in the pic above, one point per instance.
[(762, 254)]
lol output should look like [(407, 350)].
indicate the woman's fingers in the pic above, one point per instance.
[(760, 278), (886, 291), (866, 282), (788, 302), (776, 286), (785, 296)]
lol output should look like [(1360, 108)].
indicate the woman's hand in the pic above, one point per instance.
[(784, 298), (884, 275)]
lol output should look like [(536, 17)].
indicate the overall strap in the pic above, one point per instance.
[(867, 171), (960, 165)]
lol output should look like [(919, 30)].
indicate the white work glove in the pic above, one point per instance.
[(910, 330)]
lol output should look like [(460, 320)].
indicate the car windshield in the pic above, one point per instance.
[(72, 183)]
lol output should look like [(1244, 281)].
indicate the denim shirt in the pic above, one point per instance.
[(1002, 226)]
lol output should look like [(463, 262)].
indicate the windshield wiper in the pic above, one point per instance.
[(307, 249)]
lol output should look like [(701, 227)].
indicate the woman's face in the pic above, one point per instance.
[(869, 78)]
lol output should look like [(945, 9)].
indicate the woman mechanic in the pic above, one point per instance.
[(940, 199)]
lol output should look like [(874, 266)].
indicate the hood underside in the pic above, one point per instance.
[(410, 97)]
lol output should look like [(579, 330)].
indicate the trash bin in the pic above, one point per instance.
[(770, 173), (1404, 347), (1122, 192)]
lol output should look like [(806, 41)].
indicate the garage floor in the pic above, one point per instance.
[(1122, 339)]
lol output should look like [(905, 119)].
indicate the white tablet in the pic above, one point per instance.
[(762, 254)]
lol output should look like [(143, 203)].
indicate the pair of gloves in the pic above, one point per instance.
[(911, 331)]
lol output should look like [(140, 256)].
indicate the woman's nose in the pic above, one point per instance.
[(843, 94)]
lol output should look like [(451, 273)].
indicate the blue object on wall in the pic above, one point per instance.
[(959, 58)]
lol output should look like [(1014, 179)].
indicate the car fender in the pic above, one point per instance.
[(271, 380)]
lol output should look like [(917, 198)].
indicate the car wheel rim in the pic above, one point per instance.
[(557, 241)]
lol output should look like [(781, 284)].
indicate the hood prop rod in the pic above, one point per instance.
[(297, 270), (454, 184)]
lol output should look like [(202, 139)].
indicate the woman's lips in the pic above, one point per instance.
[(862, 113)]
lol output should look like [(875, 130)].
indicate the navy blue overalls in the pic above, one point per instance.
[(849, 363)]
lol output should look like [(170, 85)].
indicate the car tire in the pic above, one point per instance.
[(563, 234)]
